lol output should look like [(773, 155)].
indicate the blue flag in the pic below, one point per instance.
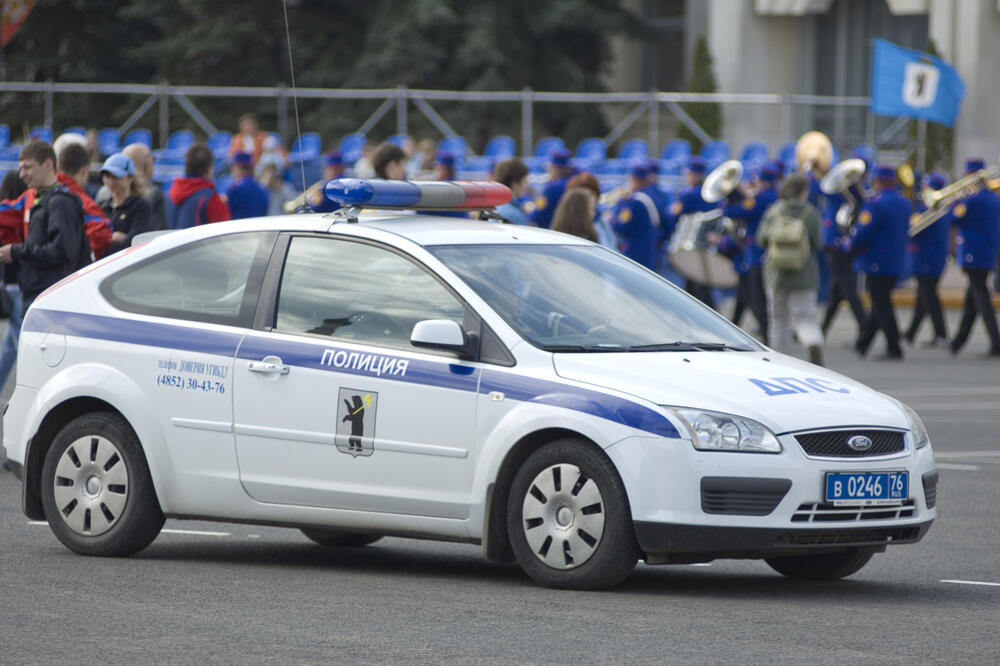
[(914, 84)]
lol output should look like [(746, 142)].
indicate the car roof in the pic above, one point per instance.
[(424, 230)]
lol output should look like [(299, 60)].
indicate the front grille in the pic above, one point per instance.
[(833, 443), (814, 512), (849, 537)]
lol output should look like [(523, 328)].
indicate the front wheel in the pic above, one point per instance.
[(97, 493), (568, 518), (338, 539), (830, 566)]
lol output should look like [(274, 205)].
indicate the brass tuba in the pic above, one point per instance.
[(723, 180), (845, 179), (813, 152)]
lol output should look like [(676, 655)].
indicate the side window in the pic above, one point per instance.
[(358, 292), (205, 281)]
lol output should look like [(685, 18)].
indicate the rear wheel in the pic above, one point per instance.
[(97, 493), (337, 539), (568, 518), (829, 566)]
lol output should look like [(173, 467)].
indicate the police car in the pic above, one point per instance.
[(363, 374)]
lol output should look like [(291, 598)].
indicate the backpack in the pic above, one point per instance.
[(788, 246)]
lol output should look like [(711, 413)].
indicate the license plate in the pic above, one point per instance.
[(866, 488)]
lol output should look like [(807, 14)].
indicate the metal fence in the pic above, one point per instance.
[(650, 106)]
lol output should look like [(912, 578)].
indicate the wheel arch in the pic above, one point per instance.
[(496, 544)]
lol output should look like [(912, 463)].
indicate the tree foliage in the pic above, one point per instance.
[(708, 115), (438, 44)]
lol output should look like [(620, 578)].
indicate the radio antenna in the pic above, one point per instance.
[(295, 99)]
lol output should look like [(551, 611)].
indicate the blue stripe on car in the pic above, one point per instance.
[(310, 354)]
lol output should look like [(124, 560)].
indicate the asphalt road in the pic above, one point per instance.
[(220, 593)]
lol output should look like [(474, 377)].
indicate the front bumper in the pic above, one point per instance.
[(665, 543)]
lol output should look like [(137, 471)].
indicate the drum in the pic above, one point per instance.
[(694, 257)]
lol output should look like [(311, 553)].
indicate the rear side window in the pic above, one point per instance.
[(216, 280)]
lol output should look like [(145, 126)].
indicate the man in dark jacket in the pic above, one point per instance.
[(55, 244)]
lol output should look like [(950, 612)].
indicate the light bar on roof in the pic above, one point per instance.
[(428, 195)]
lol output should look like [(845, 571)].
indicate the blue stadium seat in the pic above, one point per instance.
[(351, 146), (500, 148), (307, 146), (715, 153), (865, 151), (593, 149), (787, 155), (219, 143), (398, 139), (755, 151), (454, 145), (474, 168), (614, 167), (167, 165), (633, 149), (109, 141), (180, 140), (140, 135), (76, 129), (41, 133), (547, 145), (676, 150), (4, 135)]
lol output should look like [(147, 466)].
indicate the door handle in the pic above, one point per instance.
[(270, 365)]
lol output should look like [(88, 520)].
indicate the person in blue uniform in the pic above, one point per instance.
[(978, 220), (749, 210), (636, 220), (928, 254), (689, 201), (560, 172), (843, 278), (880, 238), (245, 196), (333, 168)]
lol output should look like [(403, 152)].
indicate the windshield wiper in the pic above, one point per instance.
[(688, 346), (582, 348)]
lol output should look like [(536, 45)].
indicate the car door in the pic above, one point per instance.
[(333, 407)]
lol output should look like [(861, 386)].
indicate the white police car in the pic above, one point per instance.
[(435, 378)]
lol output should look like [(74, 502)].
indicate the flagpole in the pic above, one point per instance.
[(921, 145)]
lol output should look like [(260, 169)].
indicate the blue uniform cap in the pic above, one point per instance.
[(446, 160), (974, 164), (119, 165), (639, 170), (768, 173), (935, 180), (334, 158), (697, 165), (245, 159), (560, 157), (885, 172)]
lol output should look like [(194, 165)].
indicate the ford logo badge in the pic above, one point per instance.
[(859, 443)]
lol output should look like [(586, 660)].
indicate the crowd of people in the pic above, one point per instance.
[(54, 218)]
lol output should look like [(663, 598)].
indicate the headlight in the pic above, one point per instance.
[(917, 429), (712, 431)]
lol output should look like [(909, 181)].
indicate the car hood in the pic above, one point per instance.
[(781, 392)]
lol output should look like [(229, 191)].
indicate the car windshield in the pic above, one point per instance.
[(574, 298)]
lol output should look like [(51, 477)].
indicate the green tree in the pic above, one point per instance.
[(939, 141), (708, 115)]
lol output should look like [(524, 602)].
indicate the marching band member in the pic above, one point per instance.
[(880, 237), (844, 279), (690, 201), (750, 210), (560, 172), (636, 220), (928, 253), (977, 218)]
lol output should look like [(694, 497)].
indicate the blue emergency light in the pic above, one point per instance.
[(430, 195)]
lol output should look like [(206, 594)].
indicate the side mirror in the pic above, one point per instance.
[(438, 334)]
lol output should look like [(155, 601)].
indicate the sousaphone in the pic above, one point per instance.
[(813, 153), (845, 179)]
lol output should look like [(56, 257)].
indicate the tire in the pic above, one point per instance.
[(568, 518), (830, 566), (96, 490), (336, 539)]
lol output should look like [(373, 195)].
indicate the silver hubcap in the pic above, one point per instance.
[(91, 485), (563, 515)]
